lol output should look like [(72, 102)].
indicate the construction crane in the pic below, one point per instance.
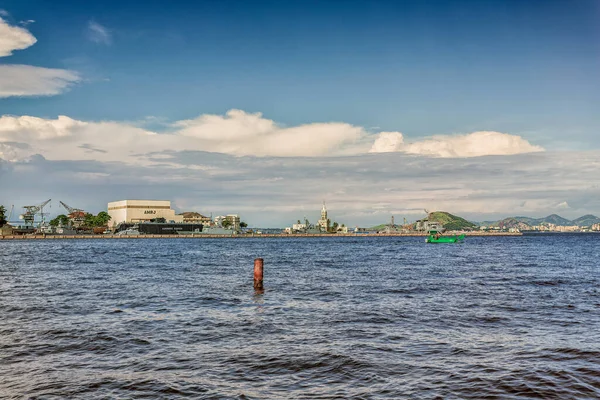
[(30, 212), (76, 215)]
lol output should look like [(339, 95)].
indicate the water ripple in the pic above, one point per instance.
[(343, 318)]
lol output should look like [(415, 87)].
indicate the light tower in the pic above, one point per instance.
[(323, 221)]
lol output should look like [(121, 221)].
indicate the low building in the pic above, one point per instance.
[(196, 218), (231, 221), (299, 227), (131, 211), (424, 225)]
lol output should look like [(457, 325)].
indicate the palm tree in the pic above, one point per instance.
[(2, 216), (102, 218)]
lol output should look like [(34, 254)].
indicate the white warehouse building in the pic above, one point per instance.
[(131, 211)]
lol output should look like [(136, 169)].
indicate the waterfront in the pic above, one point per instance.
[(241, 236), (347, 317)]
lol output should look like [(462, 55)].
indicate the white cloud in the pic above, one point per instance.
[(35, 129), (27, 80), (242, 133), (13, 38), (476, 144), (98, 33), (236, 133), (362, 190)]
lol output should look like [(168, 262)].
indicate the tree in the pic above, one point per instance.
[(91, 220), (88, 220), (243, 224), (299, 222), (226, 223), (61, 220), (102, 219), (334, 227), (2, 216)]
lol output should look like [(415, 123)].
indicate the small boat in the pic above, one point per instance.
[(436, 237)]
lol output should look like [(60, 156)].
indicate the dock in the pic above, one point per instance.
[(240, 236)]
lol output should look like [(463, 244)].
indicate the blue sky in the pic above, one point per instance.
[(423, 68)]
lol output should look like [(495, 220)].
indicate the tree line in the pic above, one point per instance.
[(3, 220), (89, 220)]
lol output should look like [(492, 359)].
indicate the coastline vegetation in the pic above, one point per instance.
[(3, 220)]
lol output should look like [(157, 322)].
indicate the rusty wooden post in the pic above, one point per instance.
[(258, 273)]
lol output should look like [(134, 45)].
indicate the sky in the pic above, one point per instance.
[(484, 109)]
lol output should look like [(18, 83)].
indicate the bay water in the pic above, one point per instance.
[(340, 318)]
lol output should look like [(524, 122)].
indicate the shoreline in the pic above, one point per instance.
[(209, 236)]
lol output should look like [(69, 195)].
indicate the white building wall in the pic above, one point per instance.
[(131, 211)]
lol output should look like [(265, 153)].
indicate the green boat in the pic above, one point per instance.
[(436, 237)]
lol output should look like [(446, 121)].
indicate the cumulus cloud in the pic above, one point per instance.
[(98, 33), (362, 190), (243, 133), (13, 38), (476, 144), (236, 133), (27, 80)]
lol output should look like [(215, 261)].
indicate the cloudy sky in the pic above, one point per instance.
[(485, 109)]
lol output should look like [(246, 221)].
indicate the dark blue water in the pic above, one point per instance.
[(341, 318)]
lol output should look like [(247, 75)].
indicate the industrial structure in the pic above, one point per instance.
[(131, 211), (31, 211), (425, 225), (76, 215)]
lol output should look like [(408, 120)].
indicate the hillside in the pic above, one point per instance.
[(527, 222), (520, 223), (587, 220), (451, 222), (379, 227), (554, 219)]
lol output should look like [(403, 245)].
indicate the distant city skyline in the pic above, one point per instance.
[(264, 109)]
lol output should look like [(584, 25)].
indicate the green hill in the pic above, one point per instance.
[(451, 222), (378, 227), (586, 220), (521, 222), (554, 219)]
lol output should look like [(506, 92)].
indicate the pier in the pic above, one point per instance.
[(241, 236)]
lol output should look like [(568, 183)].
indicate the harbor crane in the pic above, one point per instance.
[(76, 215), (30, 212)]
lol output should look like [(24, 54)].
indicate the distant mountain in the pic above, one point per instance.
[(451, 222), (527, 222), (514, 223), (554, 219), (587, 220)]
